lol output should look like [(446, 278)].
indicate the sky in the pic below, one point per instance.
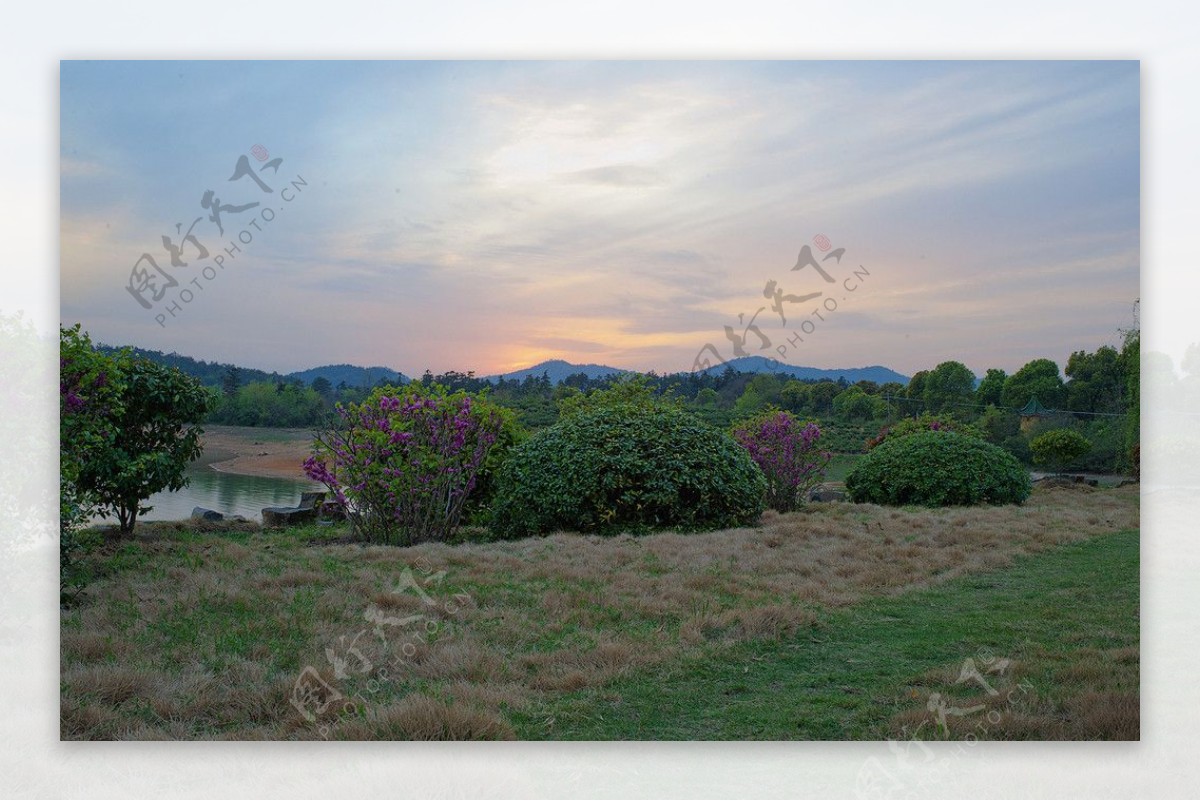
[(487, 216)]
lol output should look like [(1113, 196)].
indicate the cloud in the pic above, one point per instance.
[(467, 215), (616, 175)]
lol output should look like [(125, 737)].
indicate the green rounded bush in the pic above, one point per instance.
[(627, 467), (938, 468), (1059, 448)]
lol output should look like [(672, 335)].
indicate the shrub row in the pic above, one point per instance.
[(411, 464)]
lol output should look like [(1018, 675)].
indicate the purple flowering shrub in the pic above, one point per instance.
[(404, 461), (786, 451), (87, 403)]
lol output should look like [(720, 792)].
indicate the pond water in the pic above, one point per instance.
[(227, 493)]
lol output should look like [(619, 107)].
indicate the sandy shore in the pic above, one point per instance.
[(272, 452)]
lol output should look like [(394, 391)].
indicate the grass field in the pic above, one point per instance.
[(837, 622)]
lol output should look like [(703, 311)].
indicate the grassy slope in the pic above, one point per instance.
[(193, 633), (1067, 619)]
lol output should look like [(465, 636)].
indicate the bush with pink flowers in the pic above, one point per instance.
[(404, 462), (786, 451)]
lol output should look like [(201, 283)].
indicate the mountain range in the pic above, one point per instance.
[(213, 373), (557, 370), (351, 375), (760, 364)]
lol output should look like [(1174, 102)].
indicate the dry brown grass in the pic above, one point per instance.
[(205, 638), (1096, 697)]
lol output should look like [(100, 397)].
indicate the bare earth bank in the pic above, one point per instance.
[(271, 452)]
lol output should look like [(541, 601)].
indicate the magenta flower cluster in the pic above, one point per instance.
[(403, 465), (786, 451), (76, 387)]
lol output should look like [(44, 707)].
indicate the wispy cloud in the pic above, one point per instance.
[(471, 215)]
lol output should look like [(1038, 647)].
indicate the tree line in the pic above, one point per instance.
[(1096, 392)]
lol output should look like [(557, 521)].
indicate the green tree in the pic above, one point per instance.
[(916, 385), (155, 438), (1037, 379), (795, 397), (768, 388), (822, 394), (854, 404), (89, 404), (1058, 448), (630, 390), (231, 381), (1095, 381), (321, 386), (948, 385), (998, 425), (707, 398), (1131, 367), (990, 388)]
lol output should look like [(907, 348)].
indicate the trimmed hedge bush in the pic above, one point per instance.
[(627, 467), (938, 468), (926, 422), (1059, 448)]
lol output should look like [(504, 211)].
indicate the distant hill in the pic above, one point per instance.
[(558, 369), (351, 375), (760, 364), (209, 373), (212, 374)]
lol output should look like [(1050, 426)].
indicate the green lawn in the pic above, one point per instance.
[(838, 621), (1067, 620)]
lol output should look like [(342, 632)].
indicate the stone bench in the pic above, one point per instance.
[(306, 512)]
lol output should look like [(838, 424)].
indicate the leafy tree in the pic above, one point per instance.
[(89, 403), (707, 398), (1131, 364), (284, 404), (749, 404), (916, 385), (990, 388), (795, 396), (768, 388), (231, 380), (948, 385), (1095, 381), (1037, 379), (854, 404), (321, 386), (154, 438), (625, 390), (1059, 448), (822, 394), (943, 423), (998, 425)]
